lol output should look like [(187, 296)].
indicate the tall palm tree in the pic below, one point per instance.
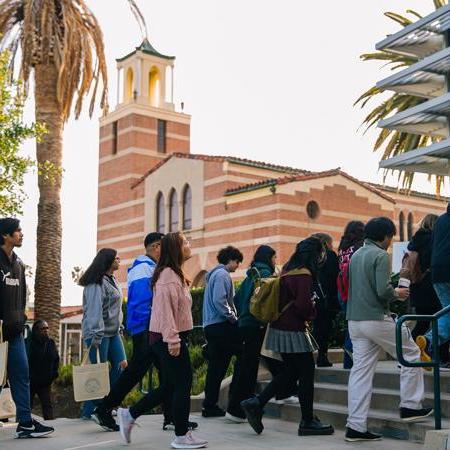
[(392, 142), (61, 46)]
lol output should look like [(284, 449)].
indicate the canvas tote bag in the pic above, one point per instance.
[(90, 381), (3, 356), (7, 406)]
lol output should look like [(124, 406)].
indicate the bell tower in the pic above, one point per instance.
[(142, 130)]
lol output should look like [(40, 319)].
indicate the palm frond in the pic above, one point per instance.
[(139, 18)]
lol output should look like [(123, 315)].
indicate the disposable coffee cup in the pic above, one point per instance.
[(404, 283)]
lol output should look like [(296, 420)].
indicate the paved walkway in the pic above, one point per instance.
[(74, 434)]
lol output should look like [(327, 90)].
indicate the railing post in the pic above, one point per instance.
[(436, 375)]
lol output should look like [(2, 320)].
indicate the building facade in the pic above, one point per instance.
[(149, 180)]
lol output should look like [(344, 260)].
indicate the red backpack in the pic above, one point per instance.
[(343, 280)]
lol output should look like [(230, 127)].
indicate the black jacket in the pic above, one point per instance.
[(440, 259), (43, 359), (423, 294), (327, 276), (13, 295)]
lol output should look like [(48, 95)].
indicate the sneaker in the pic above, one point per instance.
[(314, 427), (415, 415), (169, 425), (254, 412), (444, 366), (33, 430), (188, 441), (352, 435), (425, 350), (126, 423), (292, 400), (235, 419), (213, 411), (105, 419)]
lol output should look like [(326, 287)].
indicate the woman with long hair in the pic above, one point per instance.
[(102, 316), (352, 240), (170, 324), (251, 332), (289, 335)]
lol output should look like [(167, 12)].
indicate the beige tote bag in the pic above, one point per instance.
[(7, 406), (90, 381), (3, 356)]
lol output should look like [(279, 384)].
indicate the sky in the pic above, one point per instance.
[(264, 80)]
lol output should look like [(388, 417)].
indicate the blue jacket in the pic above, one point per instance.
[(245, 292), (218, 305), (440, 254), (140, 294)]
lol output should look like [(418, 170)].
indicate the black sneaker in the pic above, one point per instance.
[(33, 430), (314, 428), (254, 412), (352, 435), (415, 415), (213, 411), (169, 425), (105, 419)]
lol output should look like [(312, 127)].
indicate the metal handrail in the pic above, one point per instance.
[(434, 357)]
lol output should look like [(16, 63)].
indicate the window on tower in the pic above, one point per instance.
[(173, 210), (160, 213), (161, 136), (187, 208), (114, 137)]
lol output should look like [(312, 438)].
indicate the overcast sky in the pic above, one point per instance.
[(270, 81)]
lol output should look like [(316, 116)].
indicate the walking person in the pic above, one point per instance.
[(289, 335), (327, 304), (43, 360), (170, 324), (440, 277), (352, 240), (373, 329), (251, 332), (221, 328), (13, 297), (102, 317)]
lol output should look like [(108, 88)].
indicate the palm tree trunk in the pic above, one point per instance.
[(47, 287)]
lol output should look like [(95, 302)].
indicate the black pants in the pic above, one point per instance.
[(223, 342), (176, 380), (297, 367), (276, 367), (246, 371), (45, 397), (142, 360), (322, 327)]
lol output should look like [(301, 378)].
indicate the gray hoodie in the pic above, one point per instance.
[(102, 310), (218, 305)]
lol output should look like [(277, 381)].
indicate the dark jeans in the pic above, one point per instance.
[(246, 371), (45, 397), (176, 379), (297, 367), (223, 342), (142, 360), (322, 325)]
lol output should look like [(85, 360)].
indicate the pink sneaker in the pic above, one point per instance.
[(126, 423), (189, 441)]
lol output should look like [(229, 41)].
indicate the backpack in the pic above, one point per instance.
[(265, 301), (343, 279), (411, 267)]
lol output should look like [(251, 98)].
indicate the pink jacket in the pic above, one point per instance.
[(171, 310)]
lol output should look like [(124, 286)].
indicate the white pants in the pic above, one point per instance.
[(368, 338)]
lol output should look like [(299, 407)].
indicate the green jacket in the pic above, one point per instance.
[(245, 292), (370, 291)]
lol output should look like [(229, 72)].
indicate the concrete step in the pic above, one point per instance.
[(386, 422)]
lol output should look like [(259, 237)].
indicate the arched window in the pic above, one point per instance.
[(410, 226), (187, 208), (173, 211), (128, 94), (153, 86), (401, 226), (160, 213)]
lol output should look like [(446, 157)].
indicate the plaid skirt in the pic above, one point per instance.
[(290, 341)]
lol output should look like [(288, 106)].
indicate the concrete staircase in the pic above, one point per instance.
[(331, 402)]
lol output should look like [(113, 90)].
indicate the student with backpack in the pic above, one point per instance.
[(251, 332), (289, 335), (352, 240)]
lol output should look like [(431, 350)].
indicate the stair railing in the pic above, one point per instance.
[(433, 318)]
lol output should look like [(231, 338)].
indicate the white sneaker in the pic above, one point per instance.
[(235, 419), (126, 423), (279, 402), (292, 400), (188, 441)]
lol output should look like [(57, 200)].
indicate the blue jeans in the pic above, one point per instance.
[(348, 346), (19, 378), (111, 349), (443, 292)]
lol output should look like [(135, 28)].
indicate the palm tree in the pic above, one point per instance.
[(392, 142)]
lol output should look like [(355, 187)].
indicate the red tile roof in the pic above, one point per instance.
[(231, 159), (66, 311)]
